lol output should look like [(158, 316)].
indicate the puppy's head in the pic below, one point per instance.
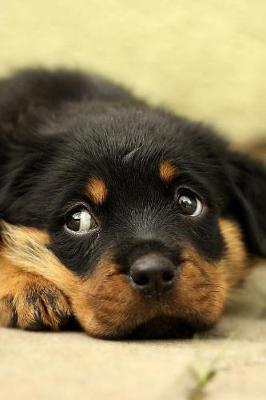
[(155, 218)]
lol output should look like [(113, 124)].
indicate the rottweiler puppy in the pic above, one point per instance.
[(123, 217)]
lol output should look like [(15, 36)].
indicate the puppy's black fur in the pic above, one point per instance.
[(59, 129)]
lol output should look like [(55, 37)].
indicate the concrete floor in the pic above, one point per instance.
[(52, 366)]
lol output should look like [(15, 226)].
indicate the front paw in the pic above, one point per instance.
[(35, 305)]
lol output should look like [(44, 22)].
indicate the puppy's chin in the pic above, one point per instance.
[(162, 327), (166, 328), (157, 327)]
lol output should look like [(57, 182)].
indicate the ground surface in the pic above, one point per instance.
[(48, 366)]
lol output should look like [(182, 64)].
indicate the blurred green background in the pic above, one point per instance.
[(205, 59)]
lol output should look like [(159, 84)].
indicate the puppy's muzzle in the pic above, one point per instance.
[(153, 275)]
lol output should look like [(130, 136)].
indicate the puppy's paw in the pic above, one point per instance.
[(34, 304)]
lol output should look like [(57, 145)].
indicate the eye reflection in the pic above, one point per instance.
[(80, 221)]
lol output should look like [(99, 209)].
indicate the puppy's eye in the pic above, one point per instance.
[(80, 221), (188, 203)]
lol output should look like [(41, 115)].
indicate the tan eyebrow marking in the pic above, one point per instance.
[(167, 171), (96, 190)]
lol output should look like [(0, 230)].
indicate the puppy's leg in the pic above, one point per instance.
[(29, 301)]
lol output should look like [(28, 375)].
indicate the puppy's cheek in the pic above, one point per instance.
[(201, 292), (107, 306), (203, 287)]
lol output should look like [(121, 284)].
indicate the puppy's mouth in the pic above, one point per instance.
[(149, 319)]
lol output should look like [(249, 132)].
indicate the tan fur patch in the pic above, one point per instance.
[(203, 287), (167, 171), (236, 263), (96, 190)]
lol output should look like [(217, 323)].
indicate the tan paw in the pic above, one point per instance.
[(34, 304)]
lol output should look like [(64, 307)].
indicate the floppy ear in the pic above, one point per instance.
[(248, 186)]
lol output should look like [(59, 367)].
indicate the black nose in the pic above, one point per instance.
[(153, 274)]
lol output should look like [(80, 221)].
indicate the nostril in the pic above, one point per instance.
[(140, 279), (168, 276)]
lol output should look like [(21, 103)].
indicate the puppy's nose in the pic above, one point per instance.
[(153, 274)]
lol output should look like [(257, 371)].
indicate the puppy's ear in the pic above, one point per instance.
[(248, 203)]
